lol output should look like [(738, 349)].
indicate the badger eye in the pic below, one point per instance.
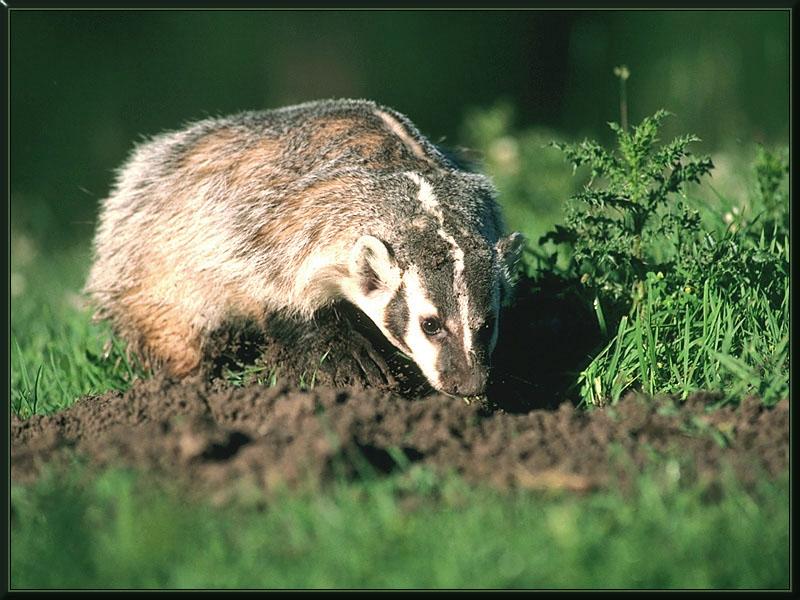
[(431, 325)]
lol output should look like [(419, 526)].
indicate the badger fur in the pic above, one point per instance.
[(292, 210)]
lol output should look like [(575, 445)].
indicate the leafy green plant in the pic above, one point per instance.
[(771, 168), (683, 305), (629, 219)]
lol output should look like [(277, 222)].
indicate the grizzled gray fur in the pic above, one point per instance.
[(292, 210)]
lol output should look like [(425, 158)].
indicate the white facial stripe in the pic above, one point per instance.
[(460, 289), (424, 352), (431, 205), (426, 196)]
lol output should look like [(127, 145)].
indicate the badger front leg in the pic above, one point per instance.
[(167, 340)]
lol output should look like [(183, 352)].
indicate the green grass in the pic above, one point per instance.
[(703, 343), (57, 353), (412, 530)]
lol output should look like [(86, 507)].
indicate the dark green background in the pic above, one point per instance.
[(86, 84)]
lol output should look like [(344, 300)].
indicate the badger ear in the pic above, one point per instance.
[(373, 267), (509, 253), (509, 249)]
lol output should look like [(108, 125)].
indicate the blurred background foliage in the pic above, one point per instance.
[(85, 85)]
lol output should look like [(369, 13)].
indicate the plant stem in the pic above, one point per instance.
[(623, 73)]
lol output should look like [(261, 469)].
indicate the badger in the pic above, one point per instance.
[(296, 208)]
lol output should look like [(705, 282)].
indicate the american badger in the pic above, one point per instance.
[(292, 210)]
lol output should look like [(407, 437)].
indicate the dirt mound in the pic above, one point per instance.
[(214, 437)]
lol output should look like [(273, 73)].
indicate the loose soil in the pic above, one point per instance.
[(370, 411), (213, 437)]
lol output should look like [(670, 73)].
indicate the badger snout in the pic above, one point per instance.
[(472, 383)]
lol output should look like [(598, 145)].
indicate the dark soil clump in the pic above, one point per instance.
[(213, 437)]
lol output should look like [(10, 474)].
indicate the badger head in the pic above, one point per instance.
[(435, 290)]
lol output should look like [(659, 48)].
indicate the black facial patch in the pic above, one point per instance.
[(479, 274), (396, 319), (435, 260), (433, 257)]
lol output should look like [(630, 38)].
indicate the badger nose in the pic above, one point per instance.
[(473, 385)]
